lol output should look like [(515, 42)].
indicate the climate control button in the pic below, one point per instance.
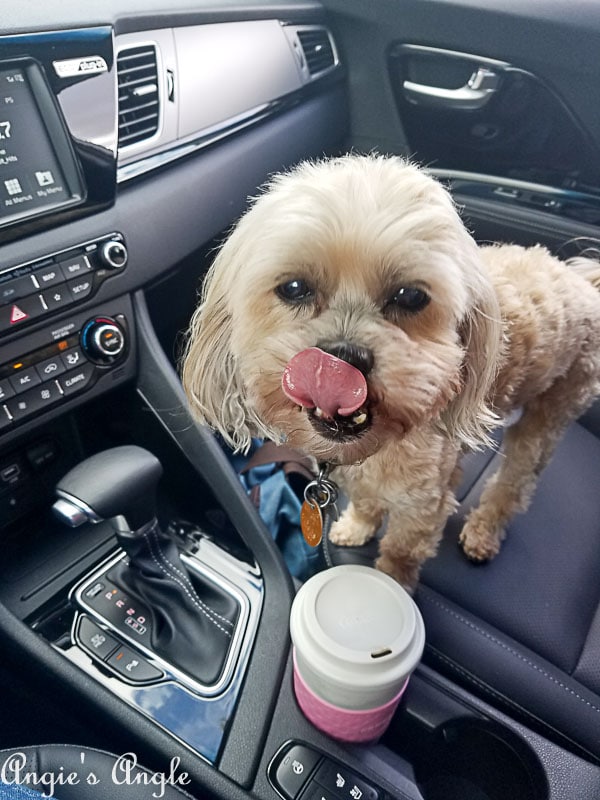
[(76, 379), (44, 395), (103, 340), (25, 379)]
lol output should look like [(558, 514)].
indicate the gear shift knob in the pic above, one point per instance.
[(190, 619), (120, 482)]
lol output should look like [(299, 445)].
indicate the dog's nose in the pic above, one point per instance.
[(360, 357)]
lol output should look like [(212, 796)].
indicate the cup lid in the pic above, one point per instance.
[(351, 621)]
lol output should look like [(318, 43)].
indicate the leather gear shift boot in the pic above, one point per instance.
[(191, 619)]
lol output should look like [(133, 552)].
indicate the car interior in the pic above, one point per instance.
[(132, 136)]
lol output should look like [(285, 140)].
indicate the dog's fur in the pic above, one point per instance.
[(506, 328)]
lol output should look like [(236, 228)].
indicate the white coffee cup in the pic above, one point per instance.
[(357, 636)]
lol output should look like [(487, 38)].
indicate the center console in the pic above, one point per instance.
[(111, 640), (164, 631)]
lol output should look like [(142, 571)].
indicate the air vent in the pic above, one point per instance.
[(137, 74), (318, 50)]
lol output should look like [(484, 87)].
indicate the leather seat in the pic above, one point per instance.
[(523, 630), (98, 775)]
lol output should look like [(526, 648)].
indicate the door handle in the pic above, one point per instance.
[(478, 90)]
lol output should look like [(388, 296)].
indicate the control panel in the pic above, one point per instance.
[(87, 352), (47, 375), (301, 772), (36, 289), (126, 662)]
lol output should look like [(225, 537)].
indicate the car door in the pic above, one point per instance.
[(498, 97)]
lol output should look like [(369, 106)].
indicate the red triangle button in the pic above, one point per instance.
[(17, 315)]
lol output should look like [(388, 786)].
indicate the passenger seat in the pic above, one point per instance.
[(523, 631)]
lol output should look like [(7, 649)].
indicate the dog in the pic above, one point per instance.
[(351, 315)]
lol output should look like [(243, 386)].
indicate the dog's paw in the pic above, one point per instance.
[(480, 542), (350, 532)]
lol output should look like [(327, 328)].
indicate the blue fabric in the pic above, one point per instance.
[(15, 791), (279, 508)]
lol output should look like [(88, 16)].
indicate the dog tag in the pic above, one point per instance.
[(311, 523), (318, 509)]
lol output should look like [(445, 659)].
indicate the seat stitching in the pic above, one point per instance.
[(473, 679), (468, 676), (510, 650)]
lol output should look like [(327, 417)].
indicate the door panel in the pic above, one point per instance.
[(504, 88), (465, 112)]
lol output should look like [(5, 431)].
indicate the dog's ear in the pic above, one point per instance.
[(469, 417), (209, 370)]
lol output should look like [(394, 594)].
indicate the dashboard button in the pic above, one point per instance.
[(103, 340), (132, 666), (80, 287), (40, 455), (294, 768), (50, 368), (16, 288), (15, 314), (109, 341), (57, 297), (95, 639), (316, 792), (24, 380), (114, 254), (342, 783), (73, 358), (6, 390), (48, 276), (75, 266), (76, 379), (34, 400)]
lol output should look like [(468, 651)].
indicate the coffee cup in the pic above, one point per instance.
[(357, 636)]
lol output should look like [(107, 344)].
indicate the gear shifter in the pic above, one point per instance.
[(191, 619)]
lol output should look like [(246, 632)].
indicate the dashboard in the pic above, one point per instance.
[(122, 153)]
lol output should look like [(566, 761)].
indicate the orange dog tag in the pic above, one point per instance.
[(319, 507), (311, 523)]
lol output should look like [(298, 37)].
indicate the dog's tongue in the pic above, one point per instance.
[(315, 379)]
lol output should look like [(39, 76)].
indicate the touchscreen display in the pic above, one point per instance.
[(32, 177)]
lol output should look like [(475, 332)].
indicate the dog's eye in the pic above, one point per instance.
[(296, 291), (408, 298)]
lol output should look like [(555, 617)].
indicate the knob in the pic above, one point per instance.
[(113, 254), (117, 482), (103, 340)]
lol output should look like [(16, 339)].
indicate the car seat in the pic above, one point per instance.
[(523, 630)]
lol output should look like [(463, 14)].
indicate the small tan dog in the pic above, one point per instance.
[(351, 315)]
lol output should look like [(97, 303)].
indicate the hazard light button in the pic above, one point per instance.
[(24, 310)]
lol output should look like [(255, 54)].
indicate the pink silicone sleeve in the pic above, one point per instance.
[(342, 723)]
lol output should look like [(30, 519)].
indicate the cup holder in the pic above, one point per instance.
[(471, 759)]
